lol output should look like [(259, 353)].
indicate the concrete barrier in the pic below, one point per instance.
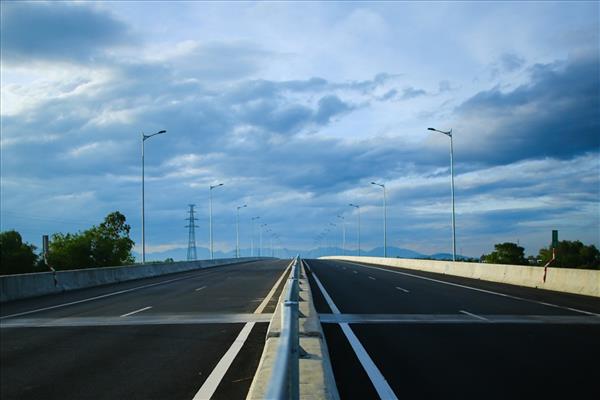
[(316, 380), (21, 286), (569, 280)]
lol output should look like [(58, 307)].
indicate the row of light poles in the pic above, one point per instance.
[(237, 247), (382, 185)]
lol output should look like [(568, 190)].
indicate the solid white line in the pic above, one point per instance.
[(95, 297), (371, 278), (264, 303), (473, 315), (136, 311), (474, 288), (404, 290), (200, 288), (377, 379), (214, 379)]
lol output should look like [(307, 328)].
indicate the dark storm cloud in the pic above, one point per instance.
[(57, 31), (555, 115)]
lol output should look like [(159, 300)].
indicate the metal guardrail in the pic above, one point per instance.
[(284, 381)]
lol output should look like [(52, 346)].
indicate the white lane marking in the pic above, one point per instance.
[(476, 289), (136, 311), (371, 278), (262, 305), (356, 272), (344, 268), (404, 290), (200, 288), (96, 297), (214, 379), (474, 315), (377, 379)]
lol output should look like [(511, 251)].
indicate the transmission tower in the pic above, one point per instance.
[(191, 253)]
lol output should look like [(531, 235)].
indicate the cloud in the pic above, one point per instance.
[(57, 31), (555, 115)]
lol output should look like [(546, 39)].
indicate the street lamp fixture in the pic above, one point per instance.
[(358, 209), (144, 138), (382, 185), (237, 230), (449, 134), (210, 229)]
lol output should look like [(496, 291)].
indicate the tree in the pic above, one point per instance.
[(572, 255), (100, 246), (16, 257), (507, 253)]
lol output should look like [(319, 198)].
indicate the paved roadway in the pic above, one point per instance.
[(170, 337), (403, 334)]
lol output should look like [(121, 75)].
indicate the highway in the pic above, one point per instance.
[(190, 335), (395, 333)]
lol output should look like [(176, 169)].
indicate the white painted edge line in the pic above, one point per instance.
[(377, 379), (98, 297), (474, 288), (200, 288), (370, 277), (136, 311), (473, 315), (214, 379), (266, 300), (404, 290)]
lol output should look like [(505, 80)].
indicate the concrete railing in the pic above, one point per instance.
[(578, 281), (21, 286), (311, 375)]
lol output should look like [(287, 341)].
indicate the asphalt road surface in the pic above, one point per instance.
[(395, 333), (187, 336)]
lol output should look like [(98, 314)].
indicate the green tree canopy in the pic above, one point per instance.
[(16, 257), (100, 246), (507, 253), (572, 255)]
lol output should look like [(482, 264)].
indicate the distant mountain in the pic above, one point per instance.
[(180, 254)]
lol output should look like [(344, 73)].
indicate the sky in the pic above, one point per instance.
[(296, 107)]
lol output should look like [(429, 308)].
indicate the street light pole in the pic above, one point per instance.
[(252, 236), (144, 138), (358, 209), (260, 238), (237, 231), (343, 234), (210, 233), (449, 134), (384, 218)]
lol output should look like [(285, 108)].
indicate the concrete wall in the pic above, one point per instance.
[(21, 286), (579, 281)]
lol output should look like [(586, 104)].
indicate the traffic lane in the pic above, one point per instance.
[(134, 362), (572, 300), (25, 305), (480, 361), (385, 292), (227, 289)]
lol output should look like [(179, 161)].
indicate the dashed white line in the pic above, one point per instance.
[(370, 277), (356, 272), (377, 379), (402, 289), (477, 289), (474, 315), (136, 311), (200, 288)]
